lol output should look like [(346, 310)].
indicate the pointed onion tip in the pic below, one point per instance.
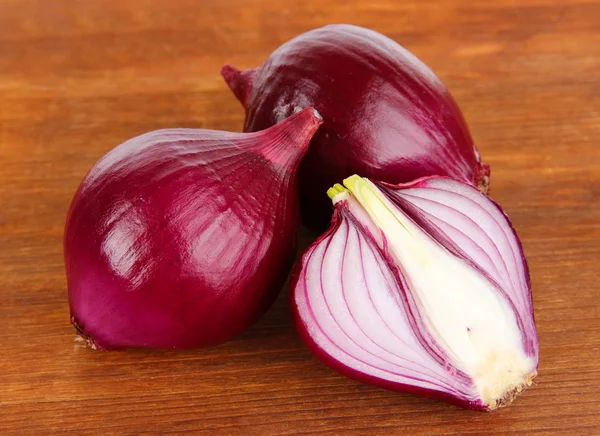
[(317, 115), (356, 184), (239, 81), (365, 192), (305, 122), (334, 191), (289, 140)]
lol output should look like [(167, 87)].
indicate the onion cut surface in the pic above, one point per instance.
[(421, 287)]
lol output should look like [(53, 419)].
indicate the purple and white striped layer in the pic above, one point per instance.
[(423, 288)]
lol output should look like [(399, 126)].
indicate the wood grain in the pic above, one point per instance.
[(79, 77)]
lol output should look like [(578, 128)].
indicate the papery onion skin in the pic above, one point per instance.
[(386, 115), (304, 320), (182, 238)]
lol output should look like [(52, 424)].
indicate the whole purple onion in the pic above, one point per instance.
[(386, 115), (182, 238)]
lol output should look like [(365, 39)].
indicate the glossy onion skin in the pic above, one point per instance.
[(386, 115), (182, 238)]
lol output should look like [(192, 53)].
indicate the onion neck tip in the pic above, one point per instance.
[(240, 82), (317, 114), (334, 191)]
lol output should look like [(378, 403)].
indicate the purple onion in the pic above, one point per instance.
[(182, 238), (386, 115), (421, 288)]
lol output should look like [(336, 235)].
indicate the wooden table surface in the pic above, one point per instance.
[(79, 77)]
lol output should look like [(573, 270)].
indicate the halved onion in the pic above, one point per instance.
[(421, 287)]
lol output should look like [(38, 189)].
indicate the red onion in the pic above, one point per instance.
[(182, 238), (386, 114), (422, 288)]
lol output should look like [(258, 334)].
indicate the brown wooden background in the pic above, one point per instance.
[(79, 77)]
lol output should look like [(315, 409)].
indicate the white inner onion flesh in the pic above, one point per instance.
[(463, 310)]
